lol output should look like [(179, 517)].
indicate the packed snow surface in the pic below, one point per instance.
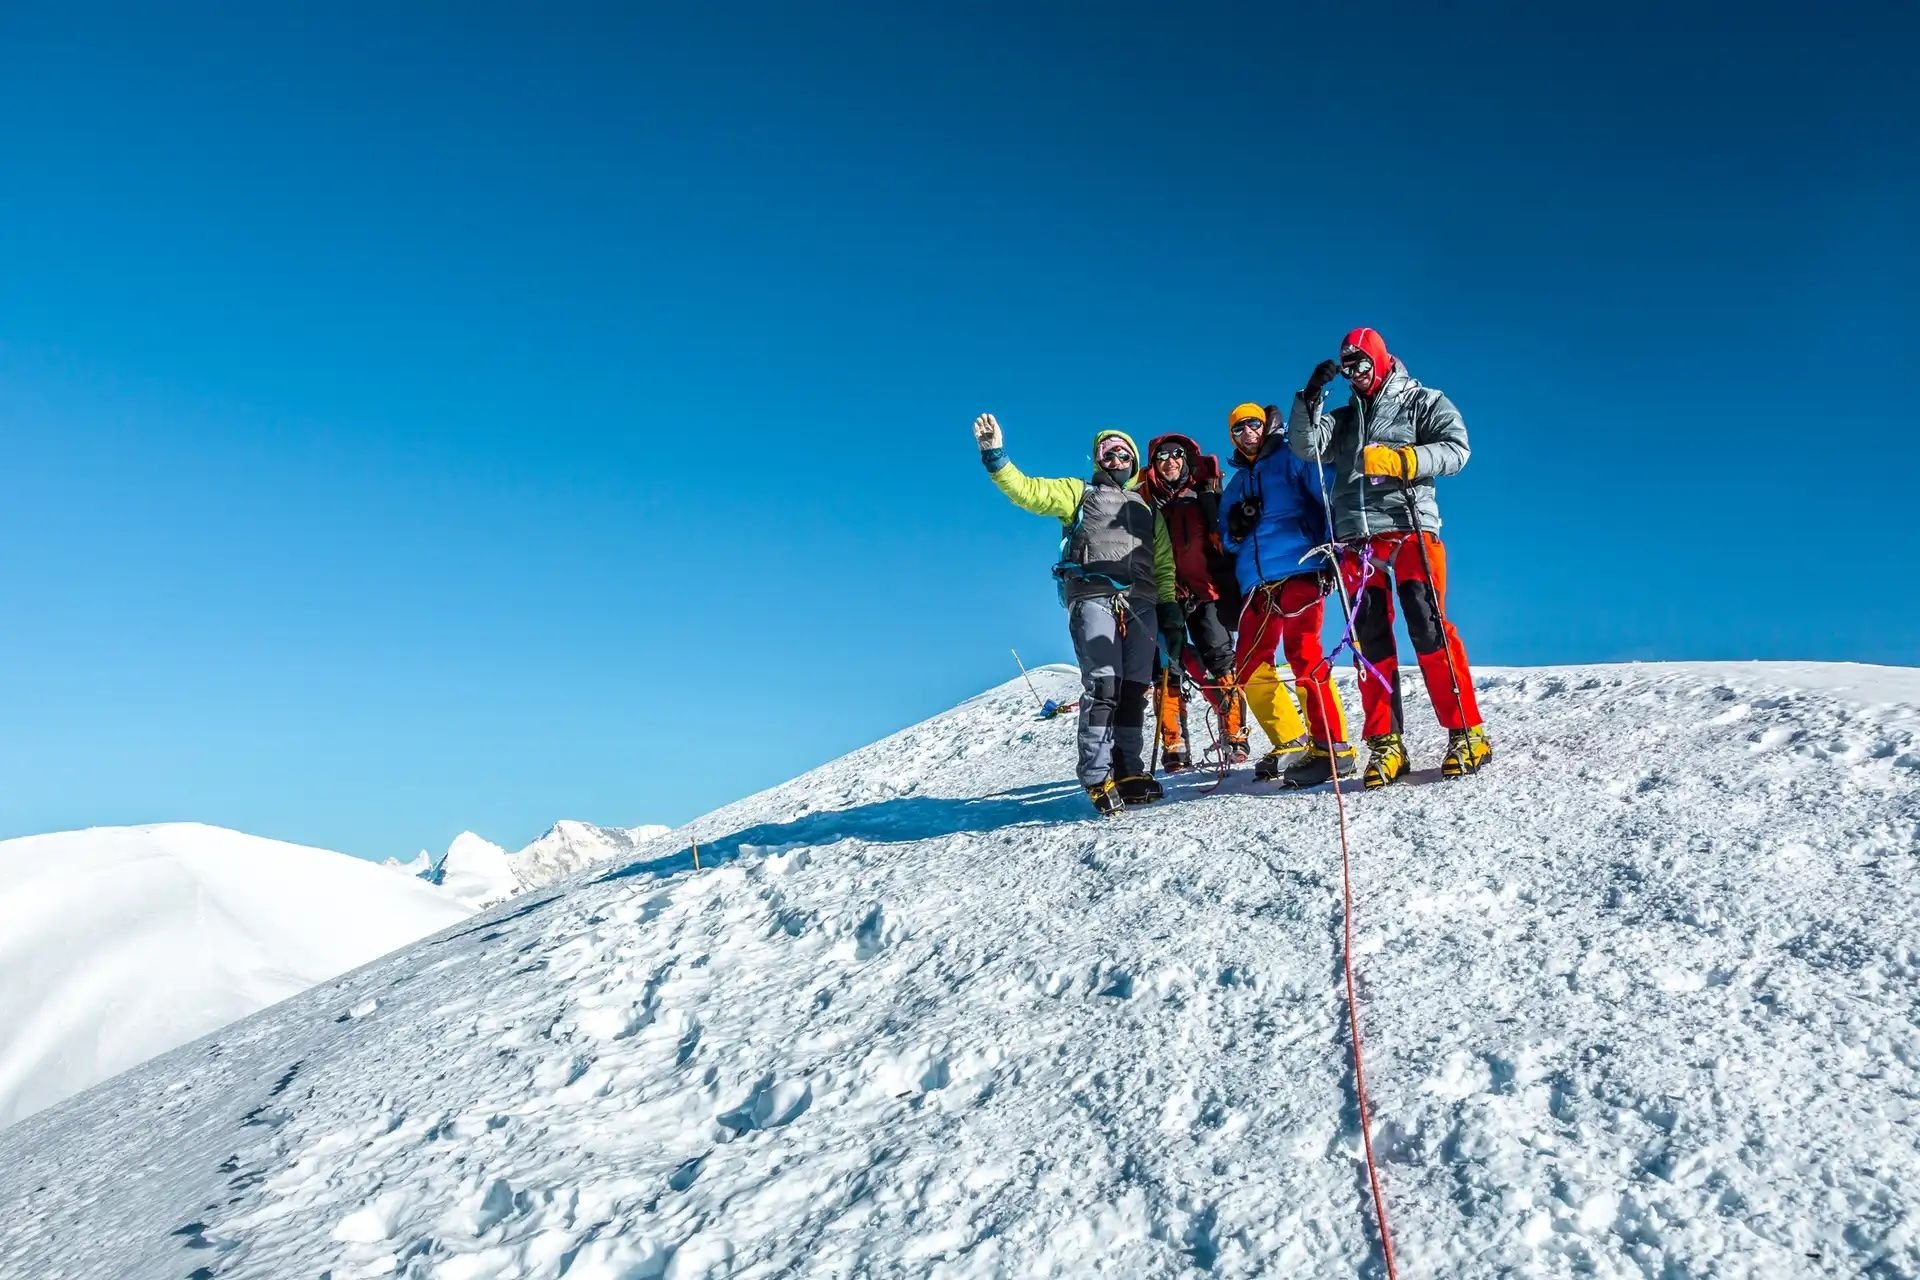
[(119, 943), (1641, 1000)]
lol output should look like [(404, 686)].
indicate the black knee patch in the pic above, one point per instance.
[(1103, 691), (1374, 625), (1133, 705), (1423, 617)]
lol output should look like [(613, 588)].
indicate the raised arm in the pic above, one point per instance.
[(1309, 430), (1044, 497)]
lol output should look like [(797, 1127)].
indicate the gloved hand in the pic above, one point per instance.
[(1323, 373), (1241, 517), (986, 433), (1173, 627), (1388, 460)]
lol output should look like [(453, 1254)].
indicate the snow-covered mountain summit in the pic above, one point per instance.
[(479, 873), (1638, 1001), (118, 943)]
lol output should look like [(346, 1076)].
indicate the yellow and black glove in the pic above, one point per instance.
[(1386, 460)]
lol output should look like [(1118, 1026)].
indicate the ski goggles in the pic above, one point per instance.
[(1169, 451), (1355, 363), (1247, 427), (1115, 452)]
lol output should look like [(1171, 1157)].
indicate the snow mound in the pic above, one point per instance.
[(1639, 1001), (119, 943), (475, 872)]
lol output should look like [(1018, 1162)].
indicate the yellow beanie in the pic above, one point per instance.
[(1241, 412)]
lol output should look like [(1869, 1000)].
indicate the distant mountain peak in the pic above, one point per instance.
[(480, 873)]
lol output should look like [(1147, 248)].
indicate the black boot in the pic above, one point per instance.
[(1174, 759), (1140, 789), (1268, 766), (1314, 767)]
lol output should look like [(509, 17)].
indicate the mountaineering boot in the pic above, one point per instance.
[(1387, 761), (1106, 799), (1467, 751), (1166, 713), (1267, 768), (1317, 765), (1233, 719), (1140, 789)]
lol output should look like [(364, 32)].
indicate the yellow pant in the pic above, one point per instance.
[(1282, 711)]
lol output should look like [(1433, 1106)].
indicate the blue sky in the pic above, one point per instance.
[(489, 414)]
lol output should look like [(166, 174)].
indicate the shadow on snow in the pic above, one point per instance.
[(898, 820)]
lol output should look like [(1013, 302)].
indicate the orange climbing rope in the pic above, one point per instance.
[(1353, 1025)]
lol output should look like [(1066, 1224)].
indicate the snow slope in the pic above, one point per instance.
[(119, 943), (1640, 1001)]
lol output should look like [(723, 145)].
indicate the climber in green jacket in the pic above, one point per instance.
[(1117, 580)]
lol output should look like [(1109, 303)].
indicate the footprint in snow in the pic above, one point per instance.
[(874, 934), (364, 1009), (771, 1105)]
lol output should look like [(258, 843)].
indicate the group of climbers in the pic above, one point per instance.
[(1170, 581)]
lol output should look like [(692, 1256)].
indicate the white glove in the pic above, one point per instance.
[(986, 432)]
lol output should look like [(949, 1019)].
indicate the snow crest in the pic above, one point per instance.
[(119, 943), (1639, 1001)]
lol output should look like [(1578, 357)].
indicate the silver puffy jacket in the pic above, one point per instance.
[(1403, 413)]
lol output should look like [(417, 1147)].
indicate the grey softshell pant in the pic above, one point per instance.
[(1115, 639)]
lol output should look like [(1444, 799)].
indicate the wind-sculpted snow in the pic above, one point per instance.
[(118, 943), (1640, 1001)]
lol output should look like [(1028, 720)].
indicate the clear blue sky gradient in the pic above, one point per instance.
[(483, 414)]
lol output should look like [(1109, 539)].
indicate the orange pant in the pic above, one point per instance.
[(1394, 561)]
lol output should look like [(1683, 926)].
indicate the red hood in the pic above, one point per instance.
[(1203, 469), (1370, 341)]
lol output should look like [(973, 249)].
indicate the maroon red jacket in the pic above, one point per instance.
[(1201, 566)]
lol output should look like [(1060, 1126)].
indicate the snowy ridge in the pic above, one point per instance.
[(119, 943), (570, 847), (1639, 1002)]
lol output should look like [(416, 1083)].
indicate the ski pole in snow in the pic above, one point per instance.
[(1029, 679), (696, 855)]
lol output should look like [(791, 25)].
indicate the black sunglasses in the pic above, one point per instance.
[(1170, 451), (1247, 426)]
